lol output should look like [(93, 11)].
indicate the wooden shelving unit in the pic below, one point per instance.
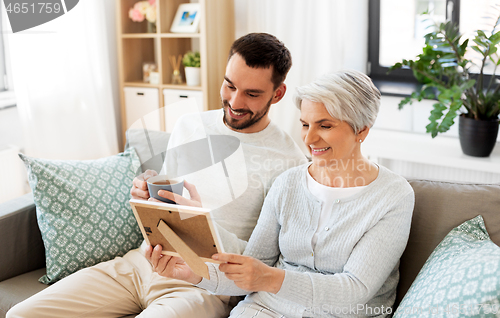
[(135, 46)]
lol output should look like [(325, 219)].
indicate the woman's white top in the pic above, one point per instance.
[(328, 196)]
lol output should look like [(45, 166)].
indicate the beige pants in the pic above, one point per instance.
[(123, 286), (249, 309)]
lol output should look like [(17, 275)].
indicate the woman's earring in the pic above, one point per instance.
[(361, 140)]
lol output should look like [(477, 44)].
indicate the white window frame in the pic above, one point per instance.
[(7, 97)]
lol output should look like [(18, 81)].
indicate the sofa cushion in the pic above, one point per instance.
[(17, 289), (83, 211), (20, 237), (440, 207), (460, 278)]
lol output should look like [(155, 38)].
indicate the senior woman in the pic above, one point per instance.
[(331, 232)]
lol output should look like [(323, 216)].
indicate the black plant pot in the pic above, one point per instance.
[(477, 137)]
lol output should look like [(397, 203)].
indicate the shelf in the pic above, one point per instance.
[(139, 35), (161, 35), (167, 86), (421, 148), (180, 35), (191, 88), (125, 24), (140, 84), (136, 46), (139, 50), (173, 47)]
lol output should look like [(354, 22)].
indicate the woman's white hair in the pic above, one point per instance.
[(348, 96)]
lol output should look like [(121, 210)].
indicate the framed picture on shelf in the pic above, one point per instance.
[(187, 18)]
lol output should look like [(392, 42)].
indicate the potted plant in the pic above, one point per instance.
[(446, 75), (191, 62)]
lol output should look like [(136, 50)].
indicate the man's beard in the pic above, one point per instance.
[(249, 120)]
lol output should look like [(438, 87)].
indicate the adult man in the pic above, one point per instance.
[(256, 69)]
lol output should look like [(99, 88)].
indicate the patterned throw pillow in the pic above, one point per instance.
[(459, 279), (83, 211)]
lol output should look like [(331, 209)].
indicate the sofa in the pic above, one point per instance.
[(23, 259), (439, 207)]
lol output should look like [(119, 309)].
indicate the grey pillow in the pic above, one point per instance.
[(151, 146)]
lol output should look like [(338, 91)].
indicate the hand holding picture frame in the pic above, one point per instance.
[(187, 18), (184, 231)]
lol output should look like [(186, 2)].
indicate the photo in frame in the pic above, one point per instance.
[(187, 18)]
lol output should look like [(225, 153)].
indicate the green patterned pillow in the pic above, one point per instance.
[(83, 211), (459, 279)]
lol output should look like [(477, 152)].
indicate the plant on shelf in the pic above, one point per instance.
[(144, 10), (192, 62), (191, 59), (446, 75)]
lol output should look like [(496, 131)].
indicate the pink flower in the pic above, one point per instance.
[(136, 15), (152, 2), (141, 6)]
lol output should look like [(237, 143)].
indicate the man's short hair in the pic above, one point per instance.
[(262, 50)]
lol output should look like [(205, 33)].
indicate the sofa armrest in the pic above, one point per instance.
[(22, 247)]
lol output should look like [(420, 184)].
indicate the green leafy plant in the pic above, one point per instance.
[(191, 59), (446, 74)]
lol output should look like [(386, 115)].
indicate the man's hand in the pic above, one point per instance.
[(139, 189), (170, 266), (179, 199), (249, 273)]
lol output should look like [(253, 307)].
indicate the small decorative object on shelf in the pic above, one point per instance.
[(191, 62), (147, 68), (144, 10), (176, 65), (187, 18), (154, 78)]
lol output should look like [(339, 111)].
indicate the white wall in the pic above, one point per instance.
[(399, 142), (322, 36), (10, 127), (412, 118)]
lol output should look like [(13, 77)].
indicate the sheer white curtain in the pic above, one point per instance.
[(322, 35), (62, 82)]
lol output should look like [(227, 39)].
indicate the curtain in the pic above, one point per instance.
[(62, 80), (322, 35)]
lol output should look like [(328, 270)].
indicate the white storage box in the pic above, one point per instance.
[(142, 108), (180, 102)]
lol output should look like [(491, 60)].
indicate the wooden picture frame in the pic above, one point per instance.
[(187, 18), (193, 225), (182, 231)]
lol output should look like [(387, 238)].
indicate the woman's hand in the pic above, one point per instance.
[(249, 273), (170, 266)]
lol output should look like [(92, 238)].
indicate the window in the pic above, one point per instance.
[(397, 30), (7, 97)]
